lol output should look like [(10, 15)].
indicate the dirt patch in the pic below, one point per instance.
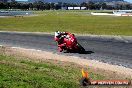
[(110, 71)]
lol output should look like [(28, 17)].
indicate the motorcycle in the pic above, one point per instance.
[(71, 44)]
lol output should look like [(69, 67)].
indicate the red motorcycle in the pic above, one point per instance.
[(70, 44)]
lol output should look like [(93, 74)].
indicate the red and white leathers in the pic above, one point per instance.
[(60, 40)]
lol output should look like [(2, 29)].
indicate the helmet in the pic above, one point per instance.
[(57, 33)]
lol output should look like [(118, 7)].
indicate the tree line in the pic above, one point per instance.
[(56, 6)]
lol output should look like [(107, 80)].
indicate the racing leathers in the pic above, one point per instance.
[(60, 40)]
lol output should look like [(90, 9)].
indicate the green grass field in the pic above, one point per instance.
[(73, 21), (26, 73)]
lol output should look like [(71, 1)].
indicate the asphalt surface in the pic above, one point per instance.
[(112, 52)]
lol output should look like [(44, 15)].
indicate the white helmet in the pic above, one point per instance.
[(57, 33)]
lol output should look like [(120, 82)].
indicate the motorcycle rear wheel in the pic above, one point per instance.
[(80, 48)]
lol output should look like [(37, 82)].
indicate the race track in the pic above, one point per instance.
[(119, 53)]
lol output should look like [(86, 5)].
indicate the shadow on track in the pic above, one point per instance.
[(84, 52)]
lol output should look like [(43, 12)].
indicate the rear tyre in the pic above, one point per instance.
[(80, 48)]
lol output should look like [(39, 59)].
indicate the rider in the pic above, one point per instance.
[(59, 38)]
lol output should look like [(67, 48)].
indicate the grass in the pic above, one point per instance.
[(26, 73), (73, 21)]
